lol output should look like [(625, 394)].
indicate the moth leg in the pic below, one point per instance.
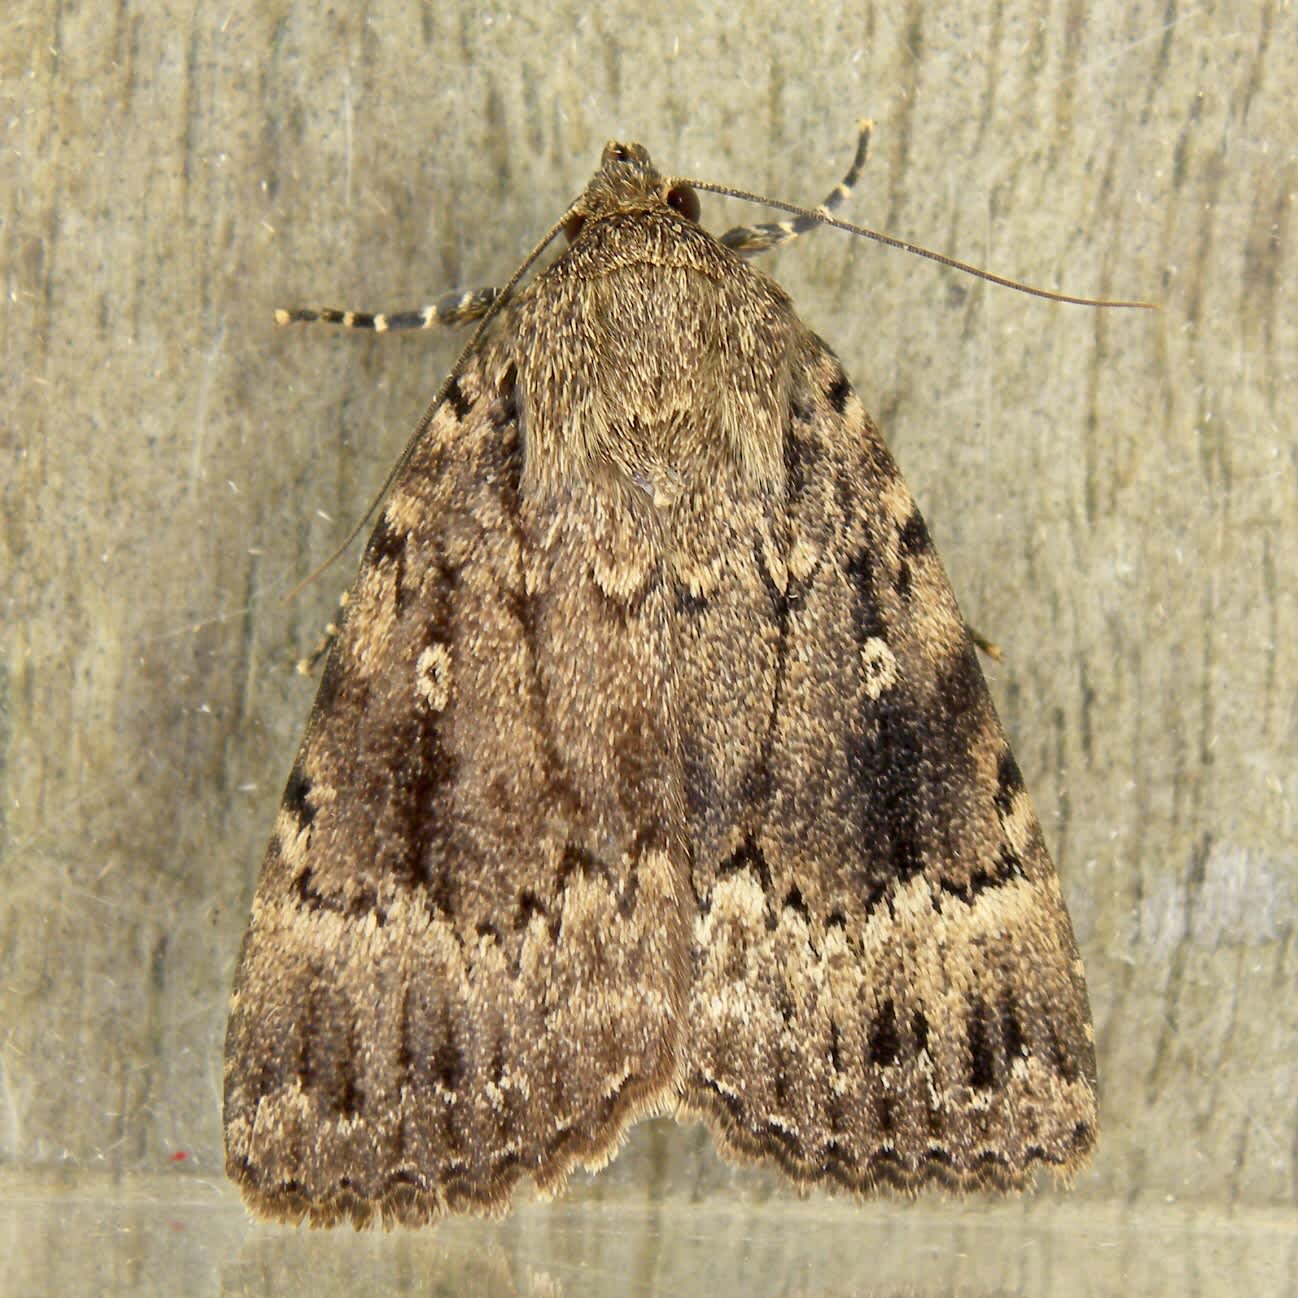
[(749, 240), (984, 645), (450, 309), (306, 666)]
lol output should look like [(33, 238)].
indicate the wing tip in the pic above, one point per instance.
[(411, 1199), (950, 1168)]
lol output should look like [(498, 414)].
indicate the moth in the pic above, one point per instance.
[(652, 771)]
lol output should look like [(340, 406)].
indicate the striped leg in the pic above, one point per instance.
[(451, 309), (749, 240), (306, 666)]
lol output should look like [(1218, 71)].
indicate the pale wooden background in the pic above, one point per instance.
[(1115, 495)]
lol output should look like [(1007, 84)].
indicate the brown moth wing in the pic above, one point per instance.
[(469, 948), (886, 988)]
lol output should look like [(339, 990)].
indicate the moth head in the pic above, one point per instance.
[(628, 181)]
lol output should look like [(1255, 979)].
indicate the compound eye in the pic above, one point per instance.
[(682, 199), (619, 153), (572, 227)]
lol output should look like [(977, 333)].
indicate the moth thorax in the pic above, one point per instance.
[(676, 377)]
